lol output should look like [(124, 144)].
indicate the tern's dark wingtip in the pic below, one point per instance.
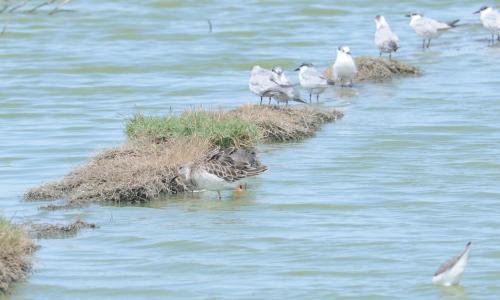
[(469, 243)]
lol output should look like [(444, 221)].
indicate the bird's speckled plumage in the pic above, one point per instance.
[(221, 169)]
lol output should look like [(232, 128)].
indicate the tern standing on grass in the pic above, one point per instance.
[(312, 80), (385, 40), (428, 28), (450, 272), (344, 68), (490, 18)]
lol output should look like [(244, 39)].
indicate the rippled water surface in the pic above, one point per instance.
[(366, 209)]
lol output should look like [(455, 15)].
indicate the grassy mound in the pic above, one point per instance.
[(379, 69), (220, 128), (15, 251), (147, 166), (242, 127)]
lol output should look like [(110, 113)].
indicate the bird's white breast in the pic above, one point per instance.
[(344, 67), (208, 181)]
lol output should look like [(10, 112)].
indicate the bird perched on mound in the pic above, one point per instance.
[(344, 69), (284, 90), (429, 28), (385, 40), (312, 80), (260, 82), (272, 84), (450, 272), (221, 170), (490, 18)]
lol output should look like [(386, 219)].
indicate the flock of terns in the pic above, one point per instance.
[(274, 84), (224, 168)]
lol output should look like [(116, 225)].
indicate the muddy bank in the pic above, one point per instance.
[(16, 249), (379, 69), (147, 165)]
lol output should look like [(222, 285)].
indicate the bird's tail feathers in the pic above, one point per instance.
[(299, 100), (453, 23)]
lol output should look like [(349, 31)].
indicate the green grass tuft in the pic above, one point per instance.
[(219, 128)]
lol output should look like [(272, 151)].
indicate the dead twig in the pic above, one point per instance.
[(13, 9), (41, 5), (59, 7)]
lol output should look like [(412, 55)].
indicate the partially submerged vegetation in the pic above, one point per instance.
[(379, 69), (54, 231), (15, 254), (146, 166)]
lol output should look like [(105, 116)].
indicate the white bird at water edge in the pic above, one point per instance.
[(450, 272), (284, 91), (490, 18), (385, 40), (344, 68), (429, 28), (260, 82), (312, 80)]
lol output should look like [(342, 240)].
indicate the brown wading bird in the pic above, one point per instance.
[(221, 170)]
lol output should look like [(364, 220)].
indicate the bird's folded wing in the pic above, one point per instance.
[(231, 172)]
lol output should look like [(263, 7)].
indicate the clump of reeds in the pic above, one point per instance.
[(379, 69), (15, 254)]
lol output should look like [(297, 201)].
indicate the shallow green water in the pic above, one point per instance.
[(367, 209)]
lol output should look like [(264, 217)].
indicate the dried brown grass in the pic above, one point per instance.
[(283, 124), (134, 172), (15, 254), (379, 69)]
